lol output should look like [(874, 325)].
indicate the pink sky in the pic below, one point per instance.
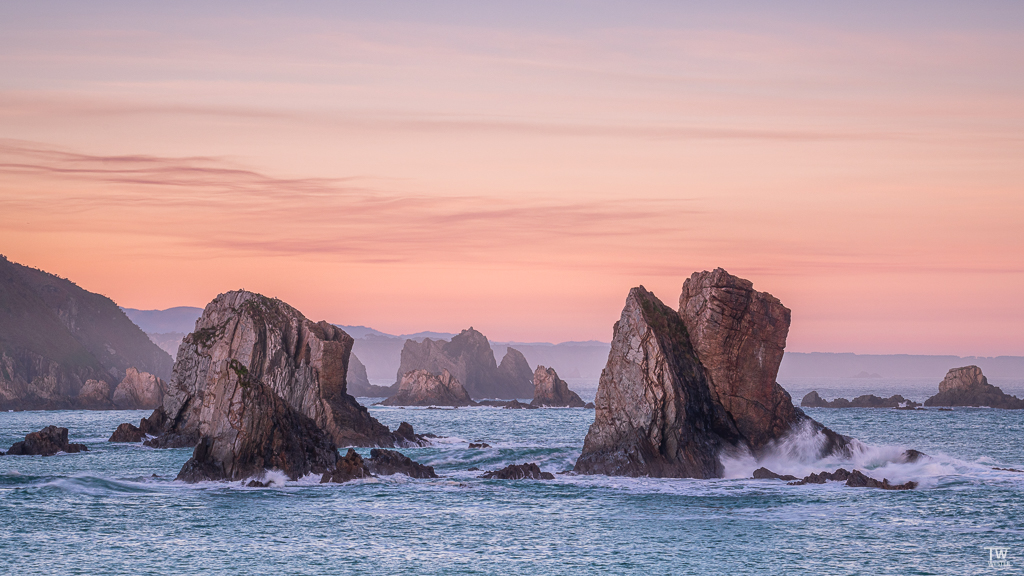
[(520, 175)]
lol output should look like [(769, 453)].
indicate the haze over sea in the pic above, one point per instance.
[(117, 510)]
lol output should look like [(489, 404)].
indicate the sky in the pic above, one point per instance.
[(518, 167)]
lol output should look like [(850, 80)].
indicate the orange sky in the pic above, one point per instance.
[(519, 173)]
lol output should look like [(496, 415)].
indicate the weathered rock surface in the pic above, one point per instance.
[(855, 479), (349, 467), (95, 395), (46, 442), (967, 386), (55, 337), (242, 335), (387, 462), (469, 358), (139, 391), (551, 391), (421, 388), (527, 471), (813, 400), (663, 410)]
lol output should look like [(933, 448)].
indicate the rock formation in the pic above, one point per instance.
[(242, 335), (855, 479), (55, 337), (813, 400), (388, 462), (359, 383), (527, 471), (468, 357), (763, 473), (507, 404), (349, 467), (46, 442), (421, 388), (967, 386), (94, 395), (682, 387), (139, 391), (551, 391), (127, 432)]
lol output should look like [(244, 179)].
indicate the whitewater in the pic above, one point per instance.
[(117, 509)]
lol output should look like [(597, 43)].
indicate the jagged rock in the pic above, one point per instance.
[(406, 437), (55, 337), (766, 474), (469, 358), (855, 479), (95, 394), (388, 462), (527, 471), (551, 391), (139, 391), (246, 428), (664, 410), (349, 467), (46, 442), (262, 340), (127, 432), (478, 445), (967, 386), (813, 400), (421, 388)]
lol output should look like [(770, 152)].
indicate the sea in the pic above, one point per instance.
[(118, 510)]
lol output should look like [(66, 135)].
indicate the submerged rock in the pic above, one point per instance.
[(421, 388), (139, 391), (527, 471), (682, 387), (967, 386), (46, 442), (813, 400), (388, 462), (551, 391), (469, 358), (249, 338)]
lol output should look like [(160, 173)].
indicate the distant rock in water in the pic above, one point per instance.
[(766, 474), (682, 387), (813, 400), (139, 391), (967, 386), (359, 383), (469, 358), (421, 388), (46, 442), (528, 471), (388, 462), (95, 395), (855, 479), (245, 339), (551, 391), (55, 337), (507, 404)]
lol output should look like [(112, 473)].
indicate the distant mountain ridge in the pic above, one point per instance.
[(56, 336)]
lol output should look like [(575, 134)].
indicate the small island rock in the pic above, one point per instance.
[(967, 386), (550, 391), (46, 442), (421, 388)]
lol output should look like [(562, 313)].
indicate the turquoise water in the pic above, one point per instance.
[(117, 510)]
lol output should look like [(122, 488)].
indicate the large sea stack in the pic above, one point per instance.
[(469, 358), (56, 337), (967, 386), (682, 387), (248, 351), (551, 391)]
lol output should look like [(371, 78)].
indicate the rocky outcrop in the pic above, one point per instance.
[(359, 383), (388, 462), (139, 391), (813, 400), (507, 404), (263, 340), (527, 471), (55, 337), (967, 386), (680, 388), (551, 391), (766, 474), (349, 467), (855, 479), (46, 442), (421, 388), (95, 395), (469, 358), (127, 432)]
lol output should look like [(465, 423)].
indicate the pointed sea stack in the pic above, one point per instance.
[(967, 386), (551, 391), (421, 388), (682, 387)]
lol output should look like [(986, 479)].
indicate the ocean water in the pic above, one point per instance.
[(118, 510)]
